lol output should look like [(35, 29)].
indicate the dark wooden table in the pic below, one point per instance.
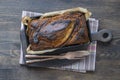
[(108, 55)]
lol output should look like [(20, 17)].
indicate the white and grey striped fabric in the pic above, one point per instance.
[(88, 63)]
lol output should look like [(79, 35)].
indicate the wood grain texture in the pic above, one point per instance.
[(108, 54)]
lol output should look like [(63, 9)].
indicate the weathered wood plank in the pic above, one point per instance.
[(9, 35)]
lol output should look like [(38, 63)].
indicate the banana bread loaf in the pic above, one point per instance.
[(56, 31)]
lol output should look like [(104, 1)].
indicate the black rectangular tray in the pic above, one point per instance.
[(52, 63)]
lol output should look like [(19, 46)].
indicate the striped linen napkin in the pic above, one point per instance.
[(87, 64)]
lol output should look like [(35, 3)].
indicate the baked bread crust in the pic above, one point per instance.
[(58, 29)]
